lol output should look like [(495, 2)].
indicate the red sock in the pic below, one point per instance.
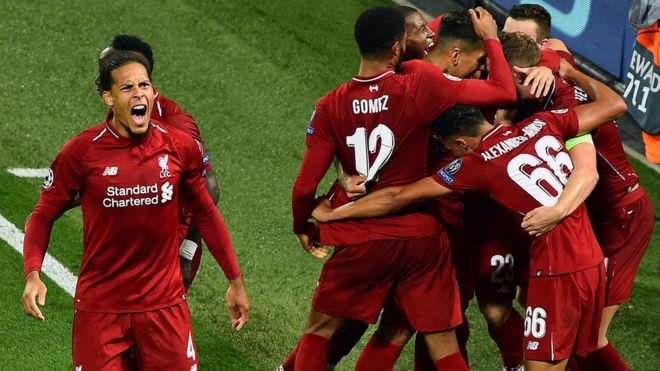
[(462, 336), (509, 339), (423, 361), (378, 355), (312, 353), (288, 363), (607, 359), (344, 339), (454, 362)]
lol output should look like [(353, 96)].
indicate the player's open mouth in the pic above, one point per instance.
[(138, 113), (428, 48)]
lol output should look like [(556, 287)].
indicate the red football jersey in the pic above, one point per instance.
[(523, 167), (130, 192), (616, 175)]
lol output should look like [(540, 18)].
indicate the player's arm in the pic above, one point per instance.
[(316, 162), (59, 190), (580, 183), (606, 104), (383, 201)]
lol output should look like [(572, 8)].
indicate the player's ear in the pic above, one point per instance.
[(544, 43), (454, 56), (107, 98), (396, 49)]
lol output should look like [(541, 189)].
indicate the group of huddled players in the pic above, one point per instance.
[(469, 163)]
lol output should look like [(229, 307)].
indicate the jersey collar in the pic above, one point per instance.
[(376, 77)]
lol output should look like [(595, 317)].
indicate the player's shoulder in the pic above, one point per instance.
[(91, 134)]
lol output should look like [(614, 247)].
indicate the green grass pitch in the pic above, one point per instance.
[(250, 72)]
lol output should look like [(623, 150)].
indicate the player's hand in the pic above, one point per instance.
[(354, 186), (565, 69), (186, 268), (541, 220), (540, 77), (309, 242), (238, 304), (322, 210), (483, 22), (34, 291)]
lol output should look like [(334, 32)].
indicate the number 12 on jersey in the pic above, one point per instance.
[(358, 141)]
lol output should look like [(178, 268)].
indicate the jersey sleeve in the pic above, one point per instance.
[(204, 213), (550, 59), (319, 132), (461, 175), (564, 121), (65, 178)]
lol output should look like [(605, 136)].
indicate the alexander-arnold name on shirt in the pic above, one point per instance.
[(505, 146)]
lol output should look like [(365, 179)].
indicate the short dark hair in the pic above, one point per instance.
[(456, 27), (460, 119), (133, 44), (406, 10), (376, 29), (114, 60), (520, 49), (536, 13)]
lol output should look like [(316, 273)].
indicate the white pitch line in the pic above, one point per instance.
[(51, 267), (27, 172)]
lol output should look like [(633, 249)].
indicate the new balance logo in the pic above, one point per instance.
[(168, 192), (110, 171), (532, 345)]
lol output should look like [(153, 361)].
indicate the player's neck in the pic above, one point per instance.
[(438, 60), (370, 67)]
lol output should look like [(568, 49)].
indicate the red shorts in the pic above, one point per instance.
[(462, 252), (624, 233), (163, 339), (494, 270), (418, 275), (563, 314)]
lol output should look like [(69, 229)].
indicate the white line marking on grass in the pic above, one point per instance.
[(51, 267), (28, 173)]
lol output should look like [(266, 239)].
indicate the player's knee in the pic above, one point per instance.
[(495, 313), (395, 335), (323, 325)]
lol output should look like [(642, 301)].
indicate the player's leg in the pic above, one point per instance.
[(385, 345), (624, 234), (495, 289), (164, 339), (428, 297), (344, 340), (100, 341), (353, 285)]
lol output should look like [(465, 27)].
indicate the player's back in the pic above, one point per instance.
[(526, 166), (380, 129)]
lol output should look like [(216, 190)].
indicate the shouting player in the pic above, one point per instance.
[(131, 174), (525, 168), (169, 113)]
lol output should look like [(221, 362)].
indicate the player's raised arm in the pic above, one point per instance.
[(383, 201), (606, 106)]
